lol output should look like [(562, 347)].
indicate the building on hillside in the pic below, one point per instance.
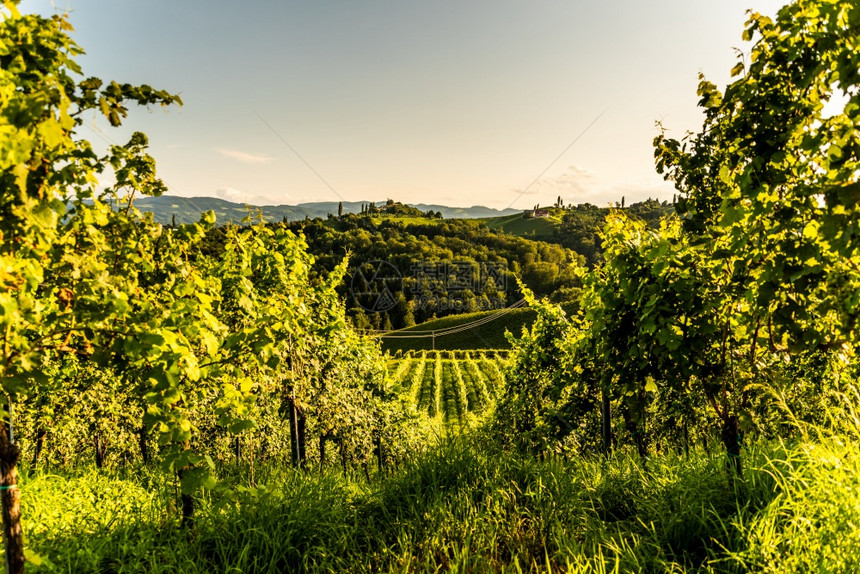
[(532, 213)]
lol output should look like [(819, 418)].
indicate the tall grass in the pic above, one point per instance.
[(466, 507), (813, 523)]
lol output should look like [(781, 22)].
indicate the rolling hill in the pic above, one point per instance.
[(542, 228), (188, 209), (488, 335)]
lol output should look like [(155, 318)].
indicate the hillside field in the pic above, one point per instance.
[(531, 228), (490, 335), (454, 387)]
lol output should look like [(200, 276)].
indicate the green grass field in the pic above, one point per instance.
[(531, 228), (487, 336), (462, 506)]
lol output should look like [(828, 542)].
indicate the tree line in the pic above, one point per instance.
[(430, 259)]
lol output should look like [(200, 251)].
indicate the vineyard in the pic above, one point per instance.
[(195, 397), (457, 386)]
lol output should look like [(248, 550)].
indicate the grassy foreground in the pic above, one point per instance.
[(464, 508)]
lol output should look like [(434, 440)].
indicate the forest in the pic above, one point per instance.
[(407, 238), (426, 291), (208, 398)]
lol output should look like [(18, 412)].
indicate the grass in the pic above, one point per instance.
[(465, 507), (531, 228), (483, 337), (427, 394), (487, 336), (478, 381)]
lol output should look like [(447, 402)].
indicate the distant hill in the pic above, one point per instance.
[(188, 209), (474, 212), (576, 227), (541, 228)]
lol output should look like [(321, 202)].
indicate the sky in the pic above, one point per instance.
[(508, 103)]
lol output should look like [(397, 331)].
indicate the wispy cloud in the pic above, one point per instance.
[(245, 157), (577, 181), (580, 184), (240, 196), (230, 194)]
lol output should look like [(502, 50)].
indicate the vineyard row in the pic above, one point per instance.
[(455, 390)]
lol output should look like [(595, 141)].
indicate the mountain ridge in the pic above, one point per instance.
[(169, 208)]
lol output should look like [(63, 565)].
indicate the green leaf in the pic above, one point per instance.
[(33, 558), (650, 385), (811, 230), (241, 426)]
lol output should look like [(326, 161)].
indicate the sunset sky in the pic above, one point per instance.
[(457, 103)]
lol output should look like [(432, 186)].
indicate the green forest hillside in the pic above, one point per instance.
[(577, 227), (434, 267), (404, 270)]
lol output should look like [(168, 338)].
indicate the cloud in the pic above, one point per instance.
[(230, 194), (577, 182), (245, 157), (238, 196), (581, 185)]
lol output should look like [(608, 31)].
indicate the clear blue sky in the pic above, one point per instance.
[(459, 103)]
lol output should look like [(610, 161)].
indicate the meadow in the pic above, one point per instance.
[(462, 503), (487, 335), (462, 506)]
